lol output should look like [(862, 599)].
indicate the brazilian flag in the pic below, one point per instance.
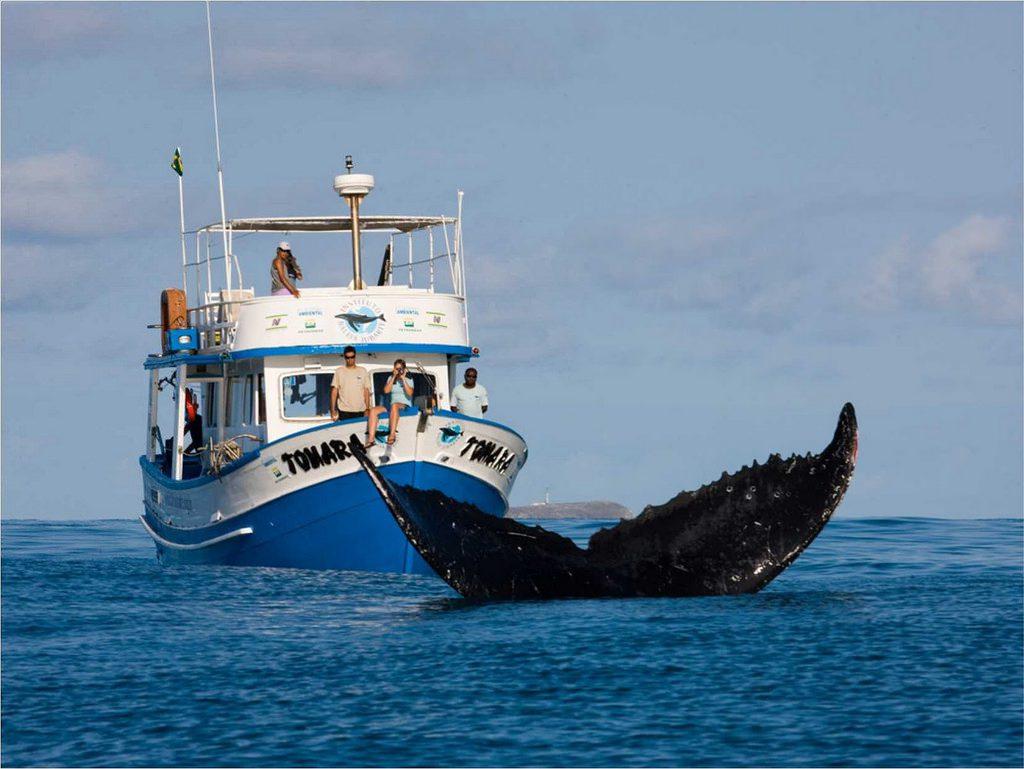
[(176, 162)]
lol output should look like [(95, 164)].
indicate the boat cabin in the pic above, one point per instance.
[(257, 368)]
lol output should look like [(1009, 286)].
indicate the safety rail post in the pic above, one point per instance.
[(209, 269), (391, 262), (178, 446), (409, 235), (462, 267), (154, 403), (448, 252), (430, 261), (459, 249), (199, 276)]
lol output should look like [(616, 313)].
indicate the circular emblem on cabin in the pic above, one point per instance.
[(450, 433), (360, 320)]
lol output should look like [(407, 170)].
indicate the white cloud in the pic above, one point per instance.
[(400, 46), (951, 267), (33, 31), (713, 266), (881, 290), (38, 278), (317, 63), (965, 269), (64, 195)]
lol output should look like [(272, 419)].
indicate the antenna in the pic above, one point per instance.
[(220, 167), (354, 187)]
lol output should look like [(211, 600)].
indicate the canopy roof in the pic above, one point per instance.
[(331, 224)]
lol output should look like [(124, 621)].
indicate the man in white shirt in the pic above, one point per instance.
[(350, 389), (470, 398)]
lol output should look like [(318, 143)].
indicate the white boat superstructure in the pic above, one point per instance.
[(270, 482)]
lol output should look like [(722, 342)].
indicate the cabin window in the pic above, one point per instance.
[(306, 396), (261, 401), (239, 405), (422, 387), (209, 407)]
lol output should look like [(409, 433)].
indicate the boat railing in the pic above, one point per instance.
[(440, 268), (216, 320)]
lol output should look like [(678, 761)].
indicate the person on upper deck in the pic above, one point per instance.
[(284, 270), (470, 398), (350, 389), (400, 388)]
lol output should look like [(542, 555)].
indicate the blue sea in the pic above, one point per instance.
[(890, 642)]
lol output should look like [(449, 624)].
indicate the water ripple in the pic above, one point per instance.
[(890, 642)]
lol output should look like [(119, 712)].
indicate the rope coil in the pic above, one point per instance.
[(222, 454)]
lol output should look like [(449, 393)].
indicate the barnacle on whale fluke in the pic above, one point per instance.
[(705, 542)]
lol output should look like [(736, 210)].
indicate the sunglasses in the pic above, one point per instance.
[(350, 357)]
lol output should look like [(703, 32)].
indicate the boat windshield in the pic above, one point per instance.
[(306, 396)]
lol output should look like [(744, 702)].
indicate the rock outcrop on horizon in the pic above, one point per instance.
[(596, 511)]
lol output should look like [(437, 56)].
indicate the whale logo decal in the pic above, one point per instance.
[(361, 320), (450, 433), (356, 319)]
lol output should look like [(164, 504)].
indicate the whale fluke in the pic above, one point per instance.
[(734, 535)]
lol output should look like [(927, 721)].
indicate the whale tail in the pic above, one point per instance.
[(731, 536)]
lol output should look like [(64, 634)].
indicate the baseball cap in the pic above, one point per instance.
[(284, 245)]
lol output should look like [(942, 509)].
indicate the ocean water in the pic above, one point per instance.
[(889, 642)]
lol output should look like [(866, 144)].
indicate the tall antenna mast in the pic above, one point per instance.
[(220, 167), (354, 187)]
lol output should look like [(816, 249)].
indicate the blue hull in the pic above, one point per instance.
[(340, 523)]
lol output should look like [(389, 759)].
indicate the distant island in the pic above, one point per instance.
[(578, 510)]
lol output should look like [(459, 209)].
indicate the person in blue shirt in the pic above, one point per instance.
[(470, 398), (399, 388)]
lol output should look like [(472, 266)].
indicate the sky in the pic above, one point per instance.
[(692, 231)]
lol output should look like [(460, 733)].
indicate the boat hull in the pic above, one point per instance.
[(267, 511)]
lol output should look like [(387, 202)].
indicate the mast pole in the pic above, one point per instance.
[(353, 188), (220, 167), (357, 258), (184, 252)]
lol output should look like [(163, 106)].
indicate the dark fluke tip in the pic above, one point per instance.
[(848, 414)]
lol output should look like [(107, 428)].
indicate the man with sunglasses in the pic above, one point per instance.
[(350, 389), (470, 398)]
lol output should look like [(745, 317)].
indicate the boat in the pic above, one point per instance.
[(273, 482)]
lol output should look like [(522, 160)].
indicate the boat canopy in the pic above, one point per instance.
[(331, 224)]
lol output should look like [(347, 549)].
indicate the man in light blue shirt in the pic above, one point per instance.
[(470, 398)]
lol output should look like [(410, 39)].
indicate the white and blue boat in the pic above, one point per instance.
[(273, 482)]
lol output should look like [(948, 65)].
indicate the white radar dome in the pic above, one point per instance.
[(353, 184)]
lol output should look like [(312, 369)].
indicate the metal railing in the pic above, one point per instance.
[(447, 230), (216, 321)]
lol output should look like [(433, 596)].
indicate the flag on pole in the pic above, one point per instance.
[(176, 162)]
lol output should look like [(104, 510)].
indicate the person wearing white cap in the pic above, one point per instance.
[(283, 270)]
